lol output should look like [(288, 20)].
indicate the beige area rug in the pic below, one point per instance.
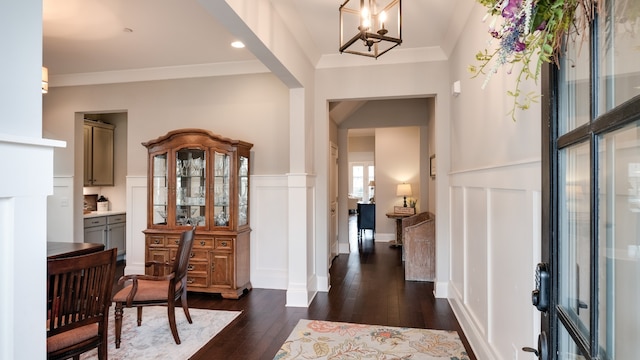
[(312, 339), (153, 339)]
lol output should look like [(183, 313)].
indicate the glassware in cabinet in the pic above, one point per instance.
[(160, 183), (191, 180), (243, 191), (221, 189)]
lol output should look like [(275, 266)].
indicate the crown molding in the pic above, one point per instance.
[(395, 56), (158, 73)]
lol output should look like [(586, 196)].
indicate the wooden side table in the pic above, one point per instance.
[(398, 218)]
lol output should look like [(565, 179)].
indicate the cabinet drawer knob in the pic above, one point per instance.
[(189, 281), (192, 255), (190, 267), (156, 241), (213, 266), (224, 243), (202, 242), (176, 241)]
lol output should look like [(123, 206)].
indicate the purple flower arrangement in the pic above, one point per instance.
[(529, 33)]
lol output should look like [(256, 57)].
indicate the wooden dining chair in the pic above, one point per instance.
[(157, 289), (78, 299)]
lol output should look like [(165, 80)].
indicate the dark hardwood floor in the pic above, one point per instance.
[(367, 286)]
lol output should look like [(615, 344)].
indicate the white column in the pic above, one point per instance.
[(301, 287)]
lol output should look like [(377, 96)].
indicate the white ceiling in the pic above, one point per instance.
[(89, 36)]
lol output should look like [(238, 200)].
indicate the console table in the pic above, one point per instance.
[(398, 218)]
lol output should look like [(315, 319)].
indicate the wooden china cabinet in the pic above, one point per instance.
[(199, 178)]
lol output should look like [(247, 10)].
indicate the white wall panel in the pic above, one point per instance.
[(476, 286), (136, 223), (60, 211), (510, 270), (269, 225), (500, 232), (457, 242)]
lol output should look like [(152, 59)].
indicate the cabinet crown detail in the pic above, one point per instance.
[(195, 132), (196, 177)]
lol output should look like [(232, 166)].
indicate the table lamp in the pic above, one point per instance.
[(404, 190)]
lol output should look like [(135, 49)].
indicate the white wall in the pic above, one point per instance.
[(397, 161), (495, 207)]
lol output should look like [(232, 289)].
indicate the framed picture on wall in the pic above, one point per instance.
[(432, 166)]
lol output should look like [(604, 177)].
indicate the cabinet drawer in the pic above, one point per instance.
[(173, 241), (199, 255), (196, 281), (203, 243), (155, 241), (197, 267), (95, 221), (224, 243), (116, 219), (196, 255)]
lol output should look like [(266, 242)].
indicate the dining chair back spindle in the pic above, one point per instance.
[(78, 299)]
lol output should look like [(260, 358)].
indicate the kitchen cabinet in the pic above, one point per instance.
[(109, 230), (198, 178), (98, 153)]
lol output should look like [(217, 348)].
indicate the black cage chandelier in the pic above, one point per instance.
[(379, 27)]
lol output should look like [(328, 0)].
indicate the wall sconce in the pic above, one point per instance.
[(45, 80), (404, 190)]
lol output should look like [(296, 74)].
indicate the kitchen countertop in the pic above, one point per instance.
[(103, 213)]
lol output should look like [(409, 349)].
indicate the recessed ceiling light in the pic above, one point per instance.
[(237, 44)]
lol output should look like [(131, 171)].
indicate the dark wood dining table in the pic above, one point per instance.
[(57, 250)]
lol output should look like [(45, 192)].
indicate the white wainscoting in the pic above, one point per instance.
[(269, 215), (495, 245), (136, 223), (60, 211)]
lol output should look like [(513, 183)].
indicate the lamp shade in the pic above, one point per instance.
[(403, 190), (372, 183)]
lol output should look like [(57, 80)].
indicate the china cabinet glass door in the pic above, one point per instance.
[(243, 191), (221, 189), (160, 182), (190, 187)]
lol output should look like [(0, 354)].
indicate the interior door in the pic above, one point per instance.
[(588, 284), (333, 196)]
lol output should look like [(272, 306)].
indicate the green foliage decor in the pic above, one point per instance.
[(531, 32)]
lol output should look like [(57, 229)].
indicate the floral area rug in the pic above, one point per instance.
[(153, 339), (312, 339)]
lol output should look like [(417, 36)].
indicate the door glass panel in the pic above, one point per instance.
[(574, 237), (567, 348), (243, 191), (574, 86), (221, 189), (619, 251), (619, 70), (160, 189), (190, 187)]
